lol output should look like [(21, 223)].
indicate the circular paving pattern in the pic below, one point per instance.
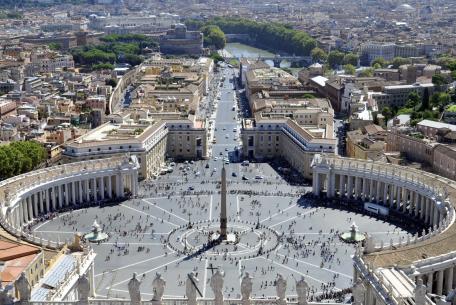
[(245, 240), (273, 230)]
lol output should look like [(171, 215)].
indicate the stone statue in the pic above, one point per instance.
[(302, 289), (358, 292), (159, 285), (5, 298), (133, 290), (83, 289), (23, 286), (217, 287), (420, 292), (190, 288), (281, 288), (246, 288)]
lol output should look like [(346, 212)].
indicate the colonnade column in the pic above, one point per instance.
[(449, 279), (67, 195), (315, 184), (87, 190), (430, 280), (440, 282), (110, 187), (349, 187), (73, 193), (35, 204), (102, 187), (341, 185), (385, 193), (365, 188), (30, 208)]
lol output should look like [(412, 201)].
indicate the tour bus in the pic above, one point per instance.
[(376, 209)]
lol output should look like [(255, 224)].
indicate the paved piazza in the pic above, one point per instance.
[(151, 234)]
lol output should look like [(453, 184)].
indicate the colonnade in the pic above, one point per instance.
[(396, 194), (414, 194), (61, 190)]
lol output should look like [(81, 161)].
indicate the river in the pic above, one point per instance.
[(242, 50)]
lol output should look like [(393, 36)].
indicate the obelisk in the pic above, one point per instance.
[(223, 220)]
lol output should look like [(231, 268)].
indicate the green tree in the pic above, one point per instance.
[(387, 113), (318, 55), (111, 82), (369, 72), (214, 37), (380, 61), (349, 69), (413, 100), (439, 80), (55, 46), (399, 61), (351, 59), (216, 57), (335, 59)]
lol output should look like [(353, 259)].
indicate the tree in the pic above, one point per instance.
[(351, 59), (439, 80), (55, 46), (380, 61), (214, 37), (335, 59), (349, 69), (216, 57), (399, 61), (369, 72), (318, 55), (376, 66), (111, 82), (20, 157), (413, 100), (425, 100), (387, 113)]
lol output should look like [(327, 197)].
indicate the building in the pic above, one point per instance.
[(367, 143), (144, 138), (430, 129), (125, 24), (178, 40), (18, 258), (397, 95), (267, 139)]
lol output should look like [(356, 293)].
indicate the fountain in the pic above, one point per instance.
[(352, 236), (96, 235)]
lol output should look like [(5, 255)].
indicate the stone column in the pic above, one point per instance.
[(365, 181), (24, 214), (331, 181), (349, 187), (102, 187), (378, 191), (60, 196), (66, 195), (412, 204), (449, 280), (135, 183), (419, 197), (73, 193), (35, 204), (42, 202), (19, 217), (94, 189), (398, 197), (436, 215), (315, 184), (404, 199), (81, 192), (385, 194), (341, 186), (30, 208), (429, 283), (110, 187), (391, 195), (428, 210), (54, 205), (48, 205), (371, 190), (121, 184), (439, 282), (87, 190)]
